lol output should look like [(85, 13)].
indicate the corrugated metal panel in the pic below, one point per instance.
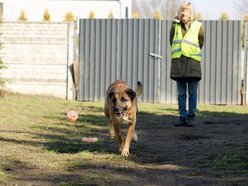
[(168, 87), (221, 63), (121, 49), (116, 49)]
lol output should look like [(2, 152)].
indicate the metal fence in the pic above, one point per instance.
[(222, 72), (134, 50)]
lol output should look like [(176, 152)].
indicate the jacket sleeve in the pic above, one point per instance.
[(201, 37), (172, 31)]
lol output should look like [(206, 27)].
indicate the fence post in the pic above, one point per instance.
[(157, 59), (245, 77)]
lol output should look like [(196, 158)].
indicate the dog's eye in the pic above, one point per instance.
[(123, 100), (114, 100)]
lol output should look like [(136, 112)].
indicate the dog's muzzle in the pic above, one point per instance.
[(119, 112)]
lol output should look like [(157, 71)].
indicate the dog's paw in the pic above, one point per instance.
[(125, 152)]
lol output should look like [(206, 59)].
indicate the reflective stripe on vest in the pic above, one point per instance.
[(187, 45)]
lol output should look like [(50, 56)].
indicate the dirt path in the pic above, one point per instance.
[(215, 152)]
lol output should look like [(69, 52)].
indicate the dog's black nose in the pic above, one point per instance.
[(117, 111)]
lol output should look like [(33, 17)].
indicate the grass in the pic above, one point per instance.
[(232, 162), (36, 139), (34, 134)]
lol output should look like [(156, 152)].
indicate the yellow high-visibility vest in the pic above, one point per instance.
[(187, 45)]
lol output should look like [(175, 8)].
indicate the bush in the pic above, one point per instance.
[(111, 15), (92, 15), (69, 17), (46, 15), (22, 16)]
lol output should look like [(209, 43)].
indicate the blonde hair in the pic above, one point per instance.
[(189, 7)]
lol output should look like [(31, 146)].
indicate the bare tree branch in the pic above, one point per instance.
[(241, 6)]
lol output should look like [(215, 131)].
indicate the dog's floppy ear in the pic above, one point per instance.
[(110, 95), (131, 93)]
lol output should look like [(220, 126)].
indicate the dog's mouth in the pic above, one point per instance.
[(118, 114)]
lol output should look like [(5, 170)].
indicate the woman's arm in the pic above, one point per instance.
[(201, 37)]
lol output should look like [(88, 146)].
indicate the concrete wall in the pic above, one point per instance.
[(37, 55)]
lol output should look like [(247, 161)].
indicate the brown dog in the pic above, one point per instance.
[(121, 107)]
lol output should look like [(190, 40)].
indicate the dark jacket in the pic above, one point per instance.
[(185, 67)]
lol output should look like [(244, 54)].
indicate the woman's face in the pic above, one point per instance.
[(185, 15)]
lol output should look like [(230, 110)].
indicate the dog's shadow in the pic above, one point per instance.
[(148, 148)]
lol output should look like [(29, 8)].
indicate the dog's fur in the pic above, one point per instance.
[(121, 107)]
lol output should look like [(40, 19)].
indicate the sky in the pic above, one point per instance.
[(211, 9)]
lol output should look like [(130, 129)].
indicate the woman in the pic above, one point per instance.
[(186, 39)]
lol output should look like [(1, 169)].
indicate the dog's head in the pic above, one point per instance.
[(121, 101)]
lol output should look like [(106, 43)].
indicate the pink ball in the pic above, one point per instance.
[(72, 116)]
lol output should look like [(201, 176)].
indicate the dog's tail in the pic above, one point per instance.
[(139, 89)]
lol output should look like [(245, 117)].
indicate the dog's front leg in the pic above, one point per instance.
[(130, 131), (119, 137), (111, 129)]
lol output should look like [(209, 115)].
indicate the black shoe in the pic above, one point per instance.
[(190, 120), (182, 122)]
